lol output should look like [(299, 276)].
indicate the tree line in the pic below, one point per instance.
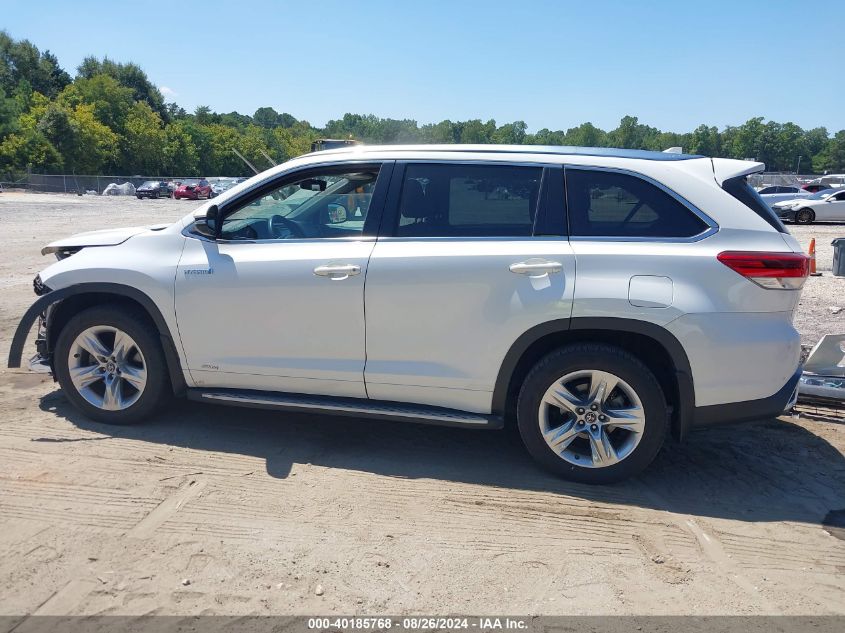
[(111, 119)]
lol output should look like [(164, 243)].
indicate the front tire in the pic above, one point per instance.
[(804, 216), (111, 366), (592, 413)]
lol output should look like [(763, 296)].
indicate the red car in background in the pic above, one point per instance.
[(194, 189), (814, 187)]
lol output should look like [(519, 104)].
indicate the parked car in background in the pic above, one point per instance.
[(193, 189), (600, 299), (829, 181), (153, 189), (222, 186), (779, 193), (827, 205), (813, 187)]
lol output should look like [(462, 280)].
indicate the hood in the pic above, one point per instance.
[(785, 204), (106, 237)]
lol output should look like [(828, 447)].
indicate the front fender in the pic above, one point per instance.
[(54, 296)]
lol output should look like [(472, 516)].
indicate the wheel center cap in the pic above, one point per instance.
[(591, 417), (110, 367)]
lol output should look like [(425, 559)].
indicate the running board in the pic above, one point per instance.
[(355, 407)]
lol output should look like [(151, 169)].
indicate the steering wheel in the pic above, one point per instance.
[(283, 228)]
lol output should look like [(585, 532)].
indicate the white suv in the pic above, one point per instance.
[(602, 298)]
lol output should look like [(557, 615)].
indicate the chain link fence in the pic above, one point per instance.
[(80, 184), (74, 183), (783, 179)]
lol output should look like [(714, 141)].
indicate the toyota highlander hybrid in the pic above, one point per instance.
[(601, 299)]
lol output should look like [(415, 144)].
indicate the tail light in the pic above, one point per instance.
[(778, 271)]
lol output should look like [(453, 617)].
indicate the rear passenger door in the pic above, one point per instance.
[(466, 261)]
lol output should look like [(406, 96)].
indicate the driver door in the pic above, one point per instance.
[(277, 302)]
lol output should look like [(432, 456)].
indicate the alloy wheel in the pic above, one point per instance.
[(107, 368), (591, 418)]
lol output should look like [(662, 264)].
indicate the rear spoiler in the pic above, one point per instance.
[(727, 168)]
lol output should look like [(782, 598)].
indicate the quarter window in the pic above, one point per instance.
[(456, 200), (611, 204)]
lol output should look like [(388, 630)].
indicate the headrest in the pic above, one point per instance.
[(414, 201)]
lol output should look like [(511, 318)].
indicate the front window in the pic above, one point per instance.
[(322, 205)]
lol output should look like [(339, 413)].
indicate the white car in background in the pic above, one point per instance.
[(827, 205), (781, 193)]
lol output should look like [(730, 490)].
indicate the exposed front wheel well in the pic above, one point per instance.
[(62, 311), (645, 348)]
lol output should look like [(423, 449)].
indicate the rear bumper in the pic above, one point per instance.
[(749, 410)]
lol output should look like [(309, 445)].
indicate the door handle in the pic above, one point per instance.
[(535, 268), (337, 272)]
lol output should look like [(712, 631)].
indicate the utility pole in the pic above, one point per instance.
[(269, 160), (241, 156), (798, 168)]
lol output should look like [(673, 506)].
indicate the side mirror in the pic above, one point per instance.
[(337, 214), (210, 226)]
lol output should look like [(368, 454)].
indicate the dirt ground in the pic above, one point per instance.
[(233, 511)]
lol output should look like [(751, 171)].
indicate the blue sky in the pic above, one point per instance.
[(550, 63)]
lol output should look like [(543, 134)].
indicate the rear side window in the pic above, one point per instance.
[(612, 204), (740, 189), (456, 200)]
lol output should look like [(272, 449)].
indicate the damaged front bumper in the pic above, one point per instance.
[(823, 379), (822, 390), (42, 361)]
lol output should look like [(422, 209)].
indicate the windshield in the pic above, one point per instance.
[(150, 183), (190, 182)]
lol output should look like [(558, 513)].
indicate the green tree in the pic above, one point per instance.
[(204, 115), (22, 60), (86, 145), (180, 153), (111, 101), (631, 134), (510, 133), (585, 135), (832, 157), (474, 131), (144, 141), (129, 76), (706, 141)]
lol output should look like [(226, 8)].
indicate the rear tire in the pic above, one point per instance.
[(805, 216), (566, 420), (111, 366)]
